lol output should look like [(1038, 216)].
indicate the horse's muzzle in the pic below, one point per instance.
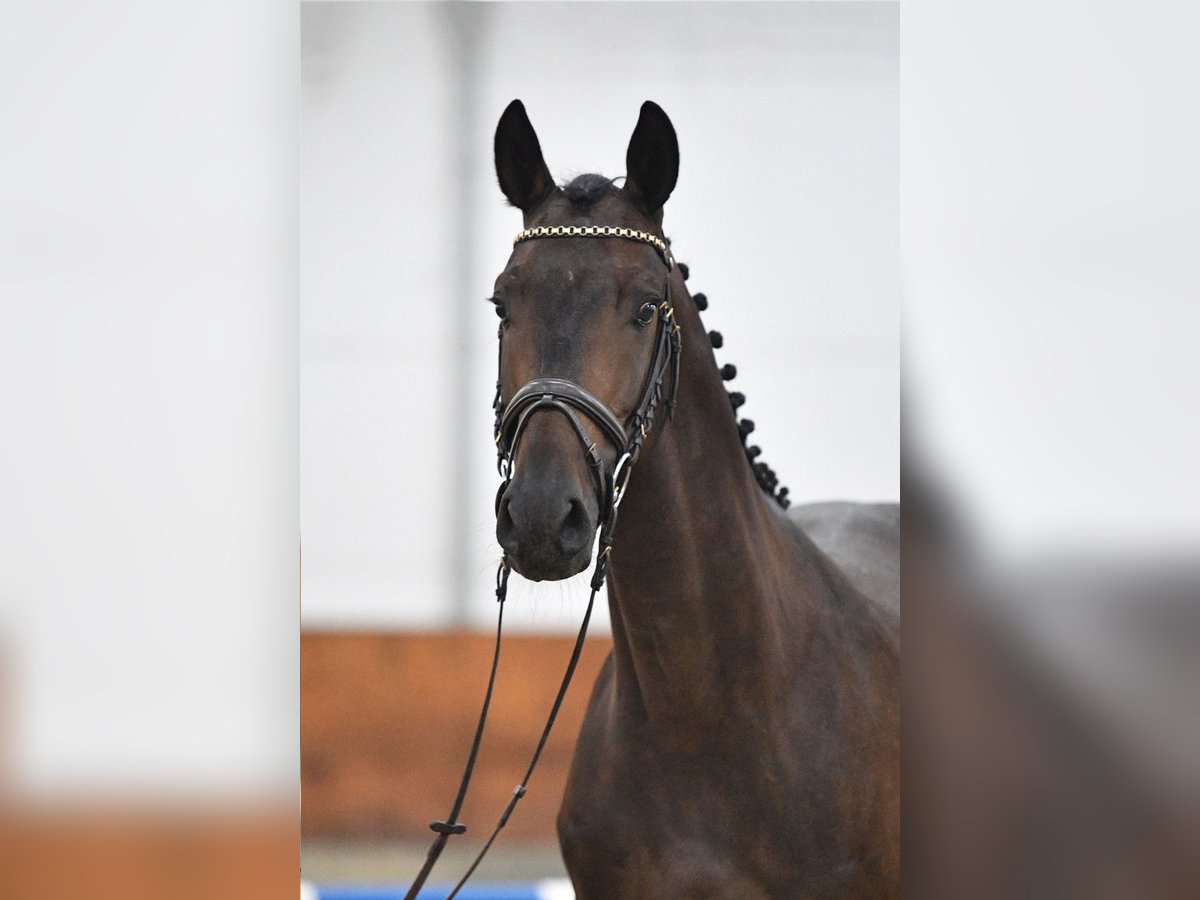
[(546, 529)]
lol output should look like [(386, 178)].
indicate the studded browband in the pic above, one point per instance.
[(631, 234)]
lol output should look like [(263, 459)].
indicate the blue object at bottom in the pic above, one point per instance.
[(436, 892)]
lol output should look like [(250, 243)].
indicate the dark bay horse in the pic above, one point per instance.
[(743, 738)]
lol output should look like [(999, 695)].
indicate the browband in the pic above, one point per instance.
[(630, 234)]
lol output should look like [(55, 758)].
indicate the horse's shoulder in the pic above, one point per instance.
[(862, 539)]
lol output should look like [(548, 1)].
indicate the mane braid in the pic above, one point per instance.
[(763, 474)]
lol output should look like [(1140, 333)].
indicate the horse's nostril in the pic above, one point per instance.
[(576, 529), (506, 529)]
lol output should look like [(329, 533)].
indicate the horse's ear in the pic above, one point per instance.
[(520, 167), (652, 160)]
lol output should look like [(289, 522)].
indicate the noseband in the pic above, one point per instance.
[(512, 418), (570, 398)]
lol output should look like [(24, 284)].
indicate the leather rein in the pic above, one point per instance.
[(512, 418)]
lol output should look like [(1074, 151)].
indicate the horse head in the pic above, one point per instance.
[(585, 335)]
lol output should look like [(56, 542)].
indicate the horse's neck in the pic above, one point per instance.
[(705, 580)]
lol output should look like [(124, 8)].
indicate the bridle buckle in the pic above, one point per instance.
[(621, 473)]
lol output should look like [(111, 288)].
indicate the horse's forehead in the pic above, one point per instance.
[(591, 269), (575, 262)]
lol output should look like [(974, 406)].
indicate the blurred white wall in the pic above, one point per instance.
[(148, 461), (786, 211), (1050, 270)]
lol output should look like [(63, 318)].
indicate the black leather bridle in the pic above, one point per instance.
[(569, 398), (512, 418)]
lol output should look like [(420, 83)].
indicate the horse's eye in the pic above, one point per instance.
[(645, 315), (501, 309)]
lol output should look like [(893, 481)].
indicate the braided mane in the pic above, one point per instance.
[(763, 473)]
